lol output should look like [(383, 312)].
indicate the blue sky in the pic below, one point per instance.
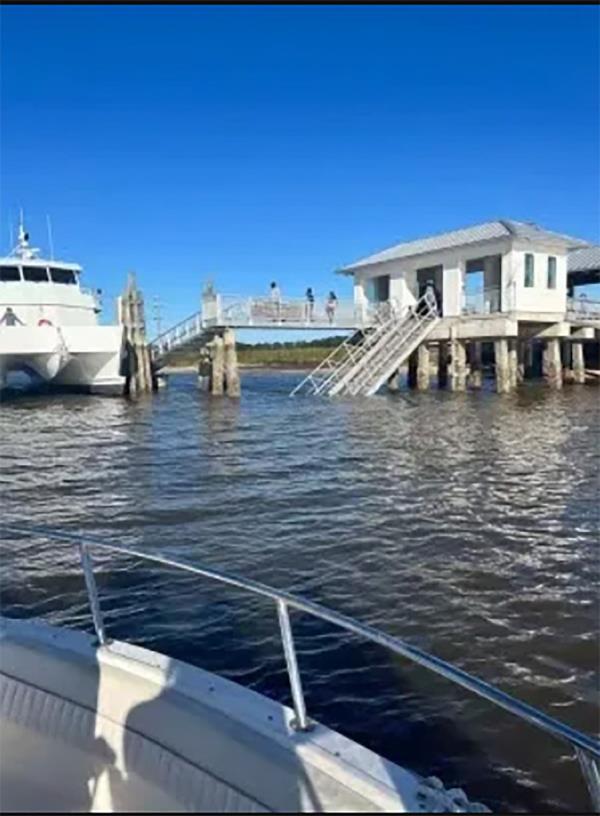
[(256, 143)]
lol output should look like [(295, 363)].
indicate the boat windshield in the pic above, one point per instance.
[(62, 275), (35, 274), (8, 274)]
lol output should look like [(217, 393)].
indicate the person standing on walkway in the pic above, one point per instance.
[(331, 306), (276, 299), (310, 304)]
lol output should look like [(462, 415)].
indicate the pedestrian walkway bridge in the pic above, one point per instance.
[(241, 312)]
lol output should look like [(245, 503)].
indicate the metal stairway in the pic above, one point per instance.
[(362, 363)]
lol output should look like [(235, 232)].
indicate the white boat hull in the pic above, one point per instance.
[(83, 358)]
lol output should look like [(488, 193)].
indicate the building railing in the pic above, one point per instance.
[(586, 749), (487, 301), (583, 308)]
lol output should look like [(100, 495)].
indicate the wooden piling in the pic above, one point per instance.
[(138, 368), (232, 374)]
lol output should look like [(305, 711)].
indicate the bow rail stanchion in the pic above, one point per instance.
[(586, 749)]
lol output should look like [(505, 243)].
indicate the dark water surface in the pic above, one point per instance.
[(467, 524)]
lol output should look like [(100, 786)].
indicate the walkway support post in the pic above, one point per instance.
[(217, 366), (552, 364), (232, 374)]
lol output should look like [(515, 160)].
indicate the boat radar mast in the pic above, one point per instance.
[(22, 249)]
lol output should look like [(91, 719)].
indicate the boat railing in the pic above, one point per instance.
[(586, 749)]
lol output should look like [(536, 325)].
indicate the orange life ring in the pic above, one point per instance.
[(44, 322)]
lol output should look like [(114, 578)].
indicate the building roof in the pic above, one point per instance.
[(586, 259), (487, 231)]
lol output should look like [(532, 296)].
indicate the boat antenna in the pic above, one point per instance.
[(50, 241), (11, 235)]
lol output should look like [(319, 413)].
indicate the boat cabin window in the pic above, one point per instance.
[(9, 274), (35, 274), (62, 275)]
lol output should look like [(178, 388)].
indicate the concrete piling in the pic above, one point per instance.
[(443, 355), (503, 379), (552, 366), (423, 372), (232, 374), (458, 365), (513, 364), (217, 368), (578, 363)]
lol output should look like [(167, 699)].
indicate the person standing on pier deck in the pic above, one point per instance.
[(310, 304), (276, 299), (330, 306)]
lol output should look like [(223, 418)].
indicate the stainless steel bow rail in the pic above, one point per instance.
[(587, 750)]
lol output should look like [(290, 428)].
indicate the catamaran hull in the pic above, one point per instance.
[(78, 358)]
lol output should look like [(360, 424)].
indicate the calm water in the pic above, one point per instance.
[(467, 524)]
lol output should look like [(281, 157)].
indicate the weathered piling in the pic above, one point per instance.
[(217, 369), (458, 365), (578, 363), (552, 365), (137, 367), (423, 372), (411, 375), (501, 364), (232, 374), (443, 355)]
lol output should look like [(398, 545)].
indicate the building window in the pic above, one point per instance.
[(529, 273), (551, 272)]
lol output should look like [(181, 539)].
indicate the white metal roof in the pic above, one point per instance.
[(478, 233), (584, 260)]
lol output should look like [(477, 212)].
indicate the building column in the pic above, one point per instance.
[(513, 364), (458, 365), (502, 366), (423, 372), (475, 378), (578, 363), (552, 364)]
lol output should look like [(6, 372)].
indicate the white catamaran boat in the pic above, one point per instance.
[(49, 325), (94, 724)]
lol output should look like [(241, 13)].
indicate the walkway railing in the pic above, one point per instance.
[(586, 749), (583, 308), (240, 311)]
